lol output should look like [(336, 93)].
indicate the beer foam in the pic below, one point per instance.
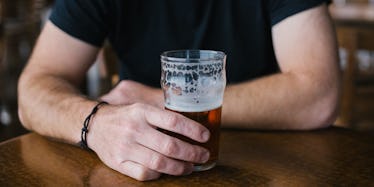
[(187, 104), (193, 87)]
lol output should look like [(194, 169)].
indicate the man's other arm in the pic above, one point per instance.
[(304, 95)]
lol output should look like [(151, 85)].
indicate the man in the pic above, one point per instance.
[(282, 71)]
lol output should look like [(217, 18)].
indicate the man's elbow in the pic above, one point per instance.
[(325, 118), (22, 118), (323, 114), (22, 98)]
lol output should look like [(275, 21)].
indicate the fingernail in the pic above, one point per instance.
[(205, 157), (205, 135)]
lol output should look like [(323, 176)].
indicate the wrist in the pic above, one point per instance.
[(88, 122)]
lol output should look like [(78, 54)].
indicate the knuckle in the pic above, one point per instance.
[(122, 84), (142, 175), (130, 129), (114, 162), (137, 171), (170, 148), (139, 108), (172, 121), (124, 147), (157, 162), (136, 107), (192, 155), (180, 170)]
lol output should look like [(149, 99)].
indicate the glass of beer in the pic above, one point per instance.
[(193, 82)]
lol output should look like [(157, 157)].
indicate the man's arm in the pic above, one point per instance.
[(305, 94), (125, 137), (56, 68)]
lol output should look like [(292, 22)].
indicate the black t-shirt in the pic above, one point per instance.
[(140, 31)]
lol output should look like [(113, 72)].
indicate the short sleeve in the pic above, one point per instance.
[(281, 9), (82, 19)]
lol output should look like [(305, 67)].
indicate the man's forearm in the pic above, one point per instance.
[(52, 107), (281, 101)]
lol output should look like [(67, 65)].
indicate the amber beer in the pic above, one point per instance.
[(193, 82), (211, 119)]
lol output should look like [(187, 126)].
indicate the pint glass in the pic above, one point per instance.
[(193, 82)]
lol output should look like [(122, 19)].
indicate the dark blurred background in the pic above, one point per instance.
[(22, 20), (20, 23)]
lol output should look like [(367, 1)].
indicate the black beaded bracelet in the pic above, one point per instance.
[(83, 142)]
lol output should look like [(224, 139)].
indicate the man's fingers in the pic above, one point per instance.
[(159, 162), (137, 171), (173, 147), (177, 123)]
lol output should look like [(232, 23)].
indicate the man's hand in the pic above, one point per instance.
[(136, 148), (130, 92), (125, 137)]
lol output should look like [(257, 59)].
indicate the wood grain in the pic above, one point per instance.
[(331, 157)]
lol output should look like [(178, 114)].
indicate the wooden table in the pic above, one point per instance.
[(330, 157)]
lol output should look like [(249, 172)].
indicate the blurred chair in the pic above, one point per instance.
[(357, 104), (111, 64), (103, 74)]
